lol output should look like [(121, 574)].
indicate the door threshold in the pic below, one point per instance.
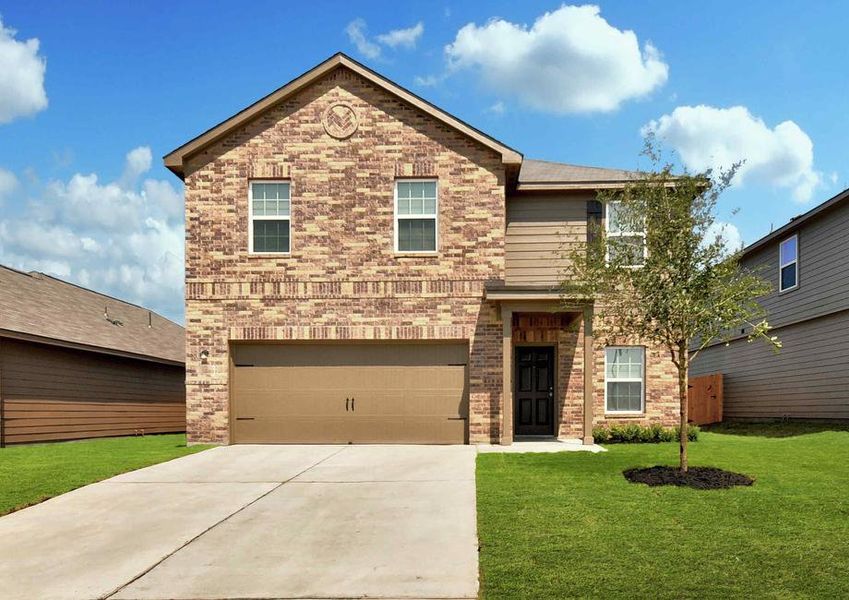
[(535, 438)]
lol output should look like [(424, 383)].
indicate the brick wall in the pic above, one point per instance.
[(342, 279)]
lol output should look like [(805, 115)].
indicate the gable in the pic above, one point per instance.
[(176, 160)]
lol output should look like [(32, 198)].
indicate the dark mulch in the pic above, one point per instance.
[(700, 478)]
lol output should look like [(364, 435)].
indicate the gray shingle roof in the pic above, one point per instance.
[(543, 171), (40, 305)]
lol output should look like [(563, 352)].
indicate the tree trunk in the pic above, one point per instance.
[(683, 364)]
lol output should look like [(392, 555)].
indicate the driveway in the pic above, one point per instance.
[(257, 522)]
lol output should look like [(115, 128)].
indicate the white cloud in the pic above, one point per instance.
[(397, 38), (497, 109), (21, 76), (707, 137), (427, 80), (8, 183), (138, 162), (406, 38), (356, 31), (728, 233), (124, 238), (570, 60)]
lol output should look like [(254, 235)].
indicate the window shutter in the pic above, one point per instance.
[(594, 211)]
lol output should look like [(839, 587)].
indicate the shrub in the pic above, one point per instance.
[(637, 434)]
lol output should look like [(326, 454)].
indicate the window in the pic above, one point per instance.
[(788, 264), (269, 217), (624, 368), (415, 216), (631, 244)]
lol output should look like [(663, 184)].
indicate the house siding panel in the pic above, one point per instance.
[(52, 393), (542, 231), (823, 270), (808, 378)]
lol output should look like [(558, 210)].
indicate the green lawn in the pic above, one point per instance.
[(570, 526), (32, 473)]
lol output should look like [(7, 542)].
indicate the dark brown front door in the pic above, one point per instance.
[(534, 411)]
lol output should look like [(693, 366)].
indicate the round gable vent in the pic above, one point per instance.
[(340, 120)]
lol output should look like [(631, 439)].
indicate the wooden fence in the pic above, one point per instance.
[(705, 399)]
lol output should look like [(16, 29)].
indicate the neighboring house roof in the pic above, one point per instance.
[(37, 306), (797, 222), (545, 175), (176, 159)]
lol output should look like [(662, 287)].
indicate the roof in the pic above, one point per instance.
[(546, 175), (175, 160), (38, 306), (797, 222)]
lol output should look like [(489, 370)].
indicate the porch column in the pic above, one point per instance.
[(507, 376), (588, 375)]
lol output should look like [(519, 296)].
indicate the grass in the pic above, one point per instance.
[(570, 526), (33, 473)]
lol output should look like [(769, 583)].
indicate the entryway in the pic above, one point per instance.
[(534, 394)]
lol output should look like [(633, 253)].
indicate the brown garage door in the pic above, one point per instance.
[(350, 392)]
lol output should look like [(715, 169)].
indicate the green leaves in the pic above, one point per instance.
[(689, 290)]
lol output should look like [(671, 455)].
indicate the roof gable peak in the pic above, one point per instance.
[(175, 160)]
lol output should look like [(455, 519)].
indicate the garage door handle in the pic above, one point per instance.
[(352, 403), (347, 400)]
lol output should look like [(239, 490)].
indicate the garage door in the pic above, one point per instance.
[(350, 393)]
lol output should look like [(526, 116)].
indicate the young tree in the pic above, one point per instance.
[(661, 272)]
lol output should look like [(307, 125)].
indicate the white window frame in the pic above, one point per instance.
[(794, 262), (434, 216), (252, 217), (621, 234), (642, 381)]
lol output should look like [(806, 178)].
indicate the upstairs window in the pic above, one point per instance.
[(269, 217), (628, 243), (624, 381), (788, 264), (415, 216)]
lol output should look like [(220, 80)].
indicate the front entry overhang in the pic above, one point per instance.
[(520, 299)]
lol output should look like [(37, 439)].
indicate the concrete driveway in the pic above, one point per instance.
[(257, 522)]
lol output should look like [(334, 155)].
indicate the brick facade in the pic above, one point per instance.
[(343, 280)]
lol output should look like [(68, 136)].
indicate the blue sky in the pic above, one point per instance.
[(83, 193)]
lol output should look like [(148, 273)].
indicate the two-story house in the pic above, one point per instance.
[(807, 261), (362, 266)]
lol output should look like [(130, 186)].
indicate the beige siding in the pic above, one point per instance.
[(809, 378), (542, 231)]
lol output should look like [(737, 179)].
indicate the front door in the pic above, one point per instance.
[(534, 409)]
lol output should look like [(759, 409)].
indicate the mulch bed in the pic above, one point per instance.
[(700, 478)]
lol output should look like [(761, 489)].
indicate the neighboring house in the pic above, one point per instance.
[(78, 364), (807, 261), (362, 266)]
